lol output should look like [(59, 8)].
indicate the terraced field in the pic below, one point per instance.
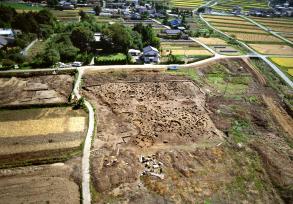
[(188, 4), (285, 63), (66, 15), (219, 45), (183, 49), (269, 49), (282, 26), (246, 5), (31, 135), (245, 31)]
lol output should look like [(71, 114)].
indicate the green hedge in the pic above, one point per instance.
[(114, 59)]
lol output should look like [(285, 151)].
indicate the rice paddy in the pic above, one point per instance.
[(283, 26), (189, 4), (270, 49), (285, 63), (246, 5)]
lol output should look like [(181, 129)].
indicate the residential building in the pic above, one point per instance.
[(151, 55)]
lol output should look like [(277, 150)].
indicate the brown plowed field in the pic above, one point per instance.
[(39, 184), (35, 90)]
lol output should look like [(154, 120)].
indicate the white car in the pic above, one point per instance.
[(77, 64)]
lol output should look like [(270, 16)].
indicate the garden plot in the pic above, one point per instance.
[(30, 135), (182, 48), (41, 184), (219, 45), (35, 90), (66, 15), (271, 49)]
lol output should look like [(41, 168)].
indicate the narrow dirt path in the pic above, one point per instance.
[(258, 75), (285, 121)]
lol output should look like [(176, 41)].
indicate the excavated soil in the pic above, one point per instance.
[(165, 118), (56, 183), (35, 90)]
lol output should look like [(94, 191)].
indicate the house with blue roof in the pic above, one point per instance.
[(175, 23)]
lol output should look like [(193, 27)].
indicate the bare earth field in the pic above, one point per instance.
[(35, 90), (57, 183), (41, 134), (163, 138)]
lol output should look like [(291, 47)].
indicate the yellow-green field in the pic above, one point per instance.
[(183, 48), (228, 5), (190, 4), (270, 49), (286, 64)]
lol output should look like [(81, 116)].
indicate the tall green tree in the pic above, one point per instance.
[(82, 38), (98, 10)]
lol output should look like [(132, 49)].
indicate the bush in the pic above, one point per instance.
[(115, 59), (7, 64)]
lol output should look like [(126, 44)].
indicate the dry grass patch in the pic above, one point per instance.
[(212, 41)]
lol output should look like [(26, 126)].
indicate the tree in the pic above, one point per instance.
[(7, 15), (148, 35), (51, 57), (45, 17), (97, 10), (52, 3), (82, 38), (117, 37)]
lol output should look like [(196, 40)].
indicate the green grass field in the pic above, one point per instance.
[(21, 7)]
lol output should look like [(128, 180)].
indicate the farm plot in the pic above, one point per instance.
[(285, 63), (228, 5), (187, 4), (249, 37), (31, 135), (233, 24), (283, 26), (189, 48), (66, 15), (219, 45), (270, 49), (35, 90), (40, 184)]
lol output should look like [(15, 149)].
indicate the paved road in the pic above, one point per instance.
[(255, 54), (86, 193)]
